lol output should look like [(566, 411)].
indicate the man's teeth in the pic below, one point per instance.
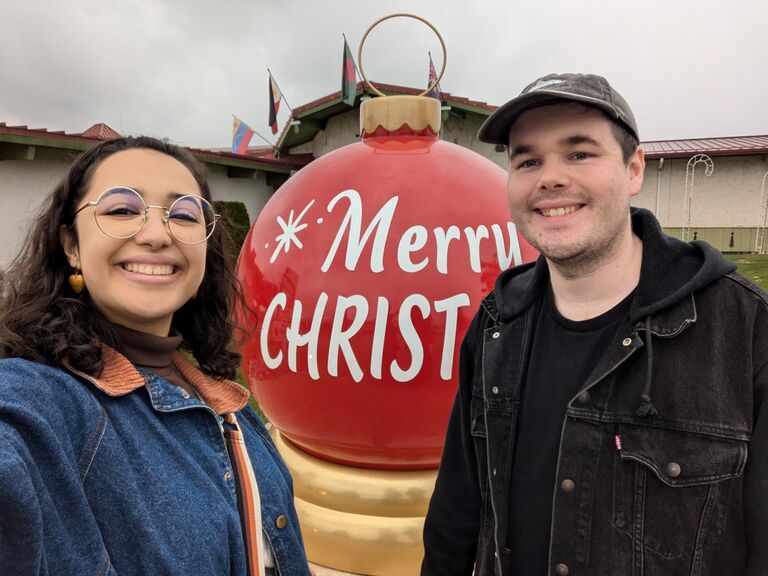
[(559, 211), (151, 269)]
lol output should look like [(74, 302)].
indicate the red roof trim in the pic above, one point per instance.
[(293, 161), (726, 146), (60, 135), (87, 139)]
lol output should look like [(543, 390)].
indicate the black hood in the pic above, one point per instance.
[(671, 270)]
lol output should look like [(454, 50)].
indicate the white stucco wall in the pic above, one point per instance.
[(25, 183), (253, 192), (23, 186)]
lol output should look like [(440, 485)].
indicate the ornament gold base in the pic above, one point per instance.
[(359, 520), (325, 571)]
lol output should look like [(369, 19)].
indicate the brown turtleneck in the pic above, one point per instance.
[(153, 353)]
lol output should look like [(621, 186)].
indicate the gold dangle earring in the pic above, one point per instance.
[(76, 281)]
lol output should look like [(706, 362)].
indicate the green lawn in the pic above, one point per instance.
[(753, 266)]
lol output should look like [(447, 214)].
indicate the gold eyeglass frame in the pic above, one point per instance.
[(145, 215)]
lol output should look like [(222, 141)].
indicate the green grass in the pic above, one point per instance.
[(753, 266)]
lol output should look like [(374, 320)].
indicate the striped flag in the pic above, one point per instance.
[(274, 103), (241, 135), (435, 92), (348, 79)]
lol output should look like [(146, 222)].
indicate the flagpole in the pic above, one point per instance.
[(281, 91), (355, 64), (265, 140)]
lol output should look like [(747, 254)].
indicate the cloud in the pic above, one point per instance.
[(180, 68)]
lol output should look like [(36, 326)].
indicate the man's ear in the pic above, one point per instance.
[(69, 244), (636, 167)]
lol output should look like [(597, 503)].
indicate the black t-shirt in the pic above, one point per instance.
[(563, 355)]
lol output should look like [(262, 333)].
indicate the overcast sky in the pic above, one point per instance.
[(181, 68)]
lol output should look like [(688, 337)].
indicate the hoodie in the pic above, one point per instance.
[(666, 454)]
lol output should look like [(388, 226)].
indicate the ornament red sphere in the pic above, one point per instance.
[(365, 270)]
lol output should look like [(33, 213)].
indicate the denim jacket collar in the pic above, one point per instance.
[(119, 377)]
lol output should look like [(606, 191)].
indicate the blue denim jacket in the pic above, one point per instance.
[(129, 479)]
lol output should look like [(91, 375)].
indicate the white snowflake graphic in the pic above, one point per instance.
[(290, 232)]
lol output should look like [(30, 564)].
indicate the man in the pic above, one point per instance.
[(609, 418)]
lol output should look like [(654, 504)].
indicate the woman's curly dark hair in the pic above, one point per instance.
[(42, 319)]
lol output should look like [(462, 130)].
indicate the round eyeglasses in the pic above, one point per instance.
[(120, 212)]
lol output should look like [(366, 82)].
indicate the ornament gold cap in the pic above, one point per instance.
[(396, 114)]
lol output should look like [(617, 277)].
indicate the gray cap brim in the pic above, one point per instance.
[(495, 130)]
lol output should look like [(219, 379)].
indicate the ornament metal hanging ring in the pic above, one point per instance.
[(400, 15)]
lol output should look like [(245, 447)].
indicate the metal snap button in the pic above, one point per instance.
[(673, 469), (495, 389), (227, 475), (281, 521), (496, 334), (568, 485), (562, 570), (185, 394), (583, 397), (494, 471), (626, 341)]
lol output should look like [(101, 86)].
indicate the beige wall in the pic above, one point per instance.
[(730, 197), (463, 131), (25, 183), (339, 131)]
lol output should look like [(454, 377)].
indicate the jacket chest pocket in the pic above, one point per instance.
[(672, 489)]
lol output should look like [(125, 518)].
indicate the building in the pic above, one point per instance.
[(33, 160), (727, 208)]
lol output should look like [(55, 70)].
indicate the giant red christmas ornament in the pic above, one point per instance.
[(365, 270)]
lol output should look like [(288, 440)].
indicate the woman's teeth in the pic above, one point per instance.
[(150, 269)]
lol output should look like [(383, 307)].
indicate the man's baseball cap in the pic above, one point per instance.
[(587, 88)]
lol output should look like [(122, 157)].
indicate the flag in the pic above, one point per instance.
[(435, 92), (241, 135), (274, 103), (348, 80)]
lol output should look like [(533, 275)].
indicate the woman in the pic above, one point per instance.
[(117, 454)]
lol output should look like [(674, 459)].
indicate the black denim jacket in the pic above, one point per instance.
[(664, 449)]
